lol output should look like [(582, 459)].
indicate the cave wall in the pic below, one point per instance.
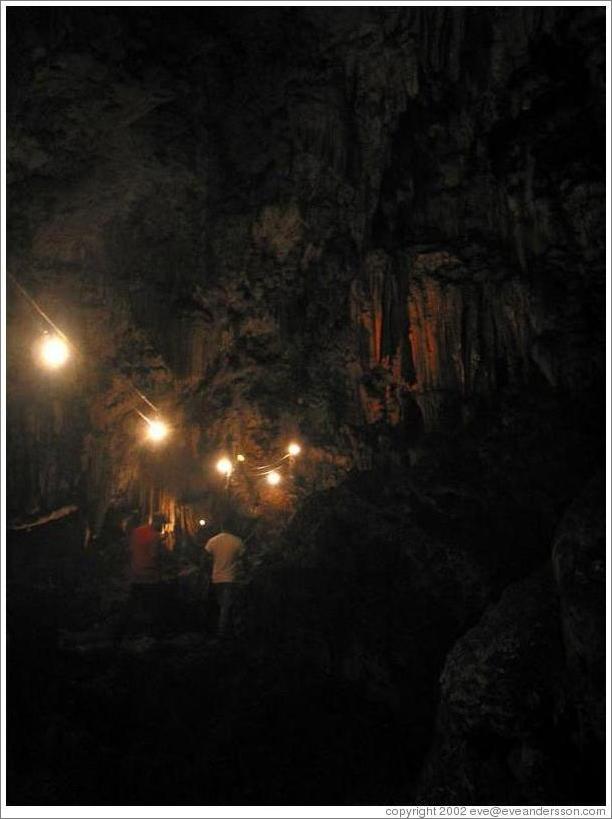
[(379, 231), (421, 188)]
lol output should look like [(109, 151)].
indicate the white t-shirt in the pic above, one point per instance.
[(224, 548)]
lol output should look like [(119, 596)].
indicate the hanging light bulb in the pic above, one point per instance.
[(54, 352), (157, 430), (294, 449), (202, 522), (273, 478), (224, 466), (240, 458)]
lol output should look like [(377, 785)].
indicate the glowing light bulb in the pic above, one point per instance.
[(202, 522), (240, 458), (224, 466), (54, 352), (294, 449), (157, 430), (273, 478)]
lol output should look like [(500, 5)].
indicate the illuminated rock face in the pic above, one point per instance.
[(438, 335)]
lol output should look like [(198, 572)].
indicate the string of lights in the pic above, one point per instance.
[(55, 351), (268, 471)]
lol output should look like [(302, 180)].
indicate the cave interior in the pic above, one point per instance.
[(374, 231)]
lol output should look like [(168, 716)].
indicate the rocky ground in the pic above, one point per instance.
[(381, 657)]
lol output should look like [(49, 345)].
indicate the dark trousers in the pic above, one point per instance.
[(150, 605), (225, 595)]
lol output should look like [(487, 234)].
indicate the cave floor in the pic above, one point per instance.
[(187, 719)]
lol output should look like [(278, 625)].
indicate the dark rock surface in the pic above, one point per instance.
[(496, 735), (379, 231), (579, 565)]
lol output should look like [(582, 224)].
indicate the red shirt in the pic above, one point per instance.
[(144, 554)]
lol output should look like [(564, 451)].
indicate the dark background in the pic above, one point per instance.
[(379, 231)]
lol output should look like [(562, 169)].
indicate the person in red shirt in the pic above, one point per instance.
[(146, 552)]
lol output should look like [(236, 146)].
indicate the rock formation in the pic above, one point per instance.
[(377, 230)]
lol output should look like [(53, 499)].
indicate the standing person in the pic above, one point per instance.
[(146, 554), (225, 549)]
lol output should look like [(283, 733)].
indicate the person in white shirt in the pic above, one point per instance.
[(225, 549)]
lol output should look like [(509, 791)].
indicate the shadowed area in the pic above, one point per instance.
[(353, 260)]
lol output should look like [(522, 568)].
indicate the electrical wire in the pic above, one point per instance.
[(263, 474), (273, 464), (143, 397), (40, 311), (33, 303)]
